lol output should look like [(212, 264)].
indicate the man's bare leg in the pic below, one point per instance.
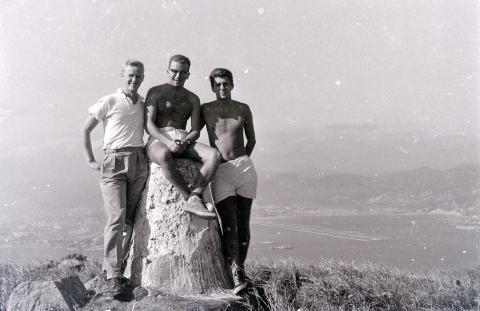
[(161, 155), (210, 159)]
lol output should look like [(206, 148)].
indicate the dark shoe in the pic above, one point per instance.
[(125, 282), (239, 284), (115, 287), (195, 206)]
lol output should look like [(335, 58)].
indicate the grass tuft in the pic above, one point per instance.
[(327, 285)]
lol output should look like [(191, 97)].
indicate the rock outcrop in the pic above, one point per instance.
[(66, 294), (173, 250)]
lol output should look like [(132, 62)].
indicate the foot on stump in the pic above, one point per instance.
[(195, 206)]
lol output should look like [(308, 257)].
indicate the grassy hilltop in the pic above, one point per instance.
[(324, 286)]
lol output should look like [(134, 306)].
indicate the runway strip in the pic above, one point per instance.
[(334, 233)]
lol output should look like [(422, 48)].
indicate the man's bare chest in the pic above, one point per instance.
[(226, 123), (174, 107)]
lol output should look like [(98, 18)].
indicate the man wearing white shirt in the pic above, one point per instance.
[(124, 169)]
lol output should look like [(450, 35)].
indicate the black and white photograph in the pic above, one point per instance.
[(239, 155)]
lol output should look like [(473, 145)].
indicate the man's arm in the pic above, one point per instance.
[(151, 127), (249, 132), (88, 126), (195, 121)]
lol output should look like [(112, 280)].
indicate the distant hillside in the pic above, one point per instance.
[(419, 190), (361, 150)]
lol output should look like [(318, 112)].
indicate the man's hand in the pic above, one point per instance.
[(174, 147), (184, 145), (94, 165)]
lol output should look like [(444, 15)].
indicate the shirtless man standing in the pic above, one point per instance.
[(169, 106), (235, 184)]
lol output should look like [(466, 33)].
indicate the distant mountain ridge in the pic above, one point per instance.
[(417, 190)]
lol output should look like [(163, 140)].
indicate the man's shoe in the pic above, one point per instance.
[(115, 287), (239, 283), (195, 206)]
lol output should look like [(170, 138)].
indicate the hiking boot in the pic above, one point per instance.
[(195, 206), (239, 283), (115, 287)]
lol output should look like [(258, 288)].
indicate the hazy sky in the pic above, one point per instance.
[(402, 65)]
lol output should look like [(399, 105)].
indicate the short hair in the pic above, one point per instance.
[(134, 63), (180, 59), (220, 73)]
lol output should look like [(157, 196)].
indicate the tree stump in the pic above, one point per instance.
[(173, 250)]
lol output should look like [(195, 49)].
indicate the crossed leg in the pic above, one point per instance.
[(160, 154), (210, 159)]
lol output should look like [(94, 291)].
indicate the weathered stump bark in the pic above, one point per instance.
[(173, 250)]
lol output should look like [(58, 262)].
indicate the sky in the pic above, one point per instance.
[(335, 86), (300, 65)]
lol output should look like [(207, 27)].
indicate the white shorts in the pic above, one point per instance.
[(171, 131), (235, 177)]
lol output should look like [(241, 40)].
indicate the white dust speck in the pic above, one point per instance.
[(442, 259), (357, 24), (464, 252), (415, 140), (245, 71), (305, 75), (449, 93), (340, 137), (413, 222), (278, 232), (402, 150), (412, 259), (48, 185), (338, 83), (34, 188), (261, 11), (424, 247)]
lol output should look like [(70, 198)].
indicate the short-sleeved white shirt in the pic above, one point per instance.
[(122, 120)]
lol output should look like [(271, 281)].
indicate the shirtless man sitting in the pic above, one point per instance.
[(169, 106), (235, 184)]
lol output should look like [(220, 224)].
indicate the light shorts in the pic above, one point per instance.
[(171, 131), (235, 177)]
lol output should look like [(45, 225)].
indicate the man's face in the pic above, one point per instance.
[(132, 78), (222, 88), (177, 74)]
